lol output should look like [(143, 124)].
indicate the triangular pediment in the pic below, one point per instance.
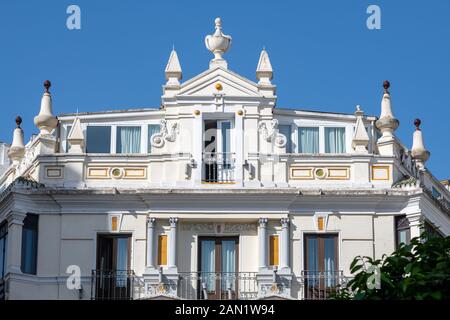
[(219, 81)]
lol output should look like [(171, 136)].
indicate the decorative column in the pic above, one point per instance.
[(151, 243), (14, 249), (284, 252), (171, 261), (262, 239)]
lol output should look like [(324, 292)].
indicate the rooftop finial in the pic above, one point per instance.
[(173, 69), (17, 150), (47, 85), (264, 71), (417, 123), (18, 121), (45, 120), (386, 85), (387, 122), (360, 139), (218, 44), (218, 22), (418, 151)]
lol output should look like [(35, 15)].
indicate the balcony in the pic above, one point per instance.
[(245, 286), (219, 167), (125, 285), (321, 285), (116, 285), (217, 285)]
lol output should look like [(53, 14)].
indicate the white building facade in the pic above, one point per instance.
[(218, 194)]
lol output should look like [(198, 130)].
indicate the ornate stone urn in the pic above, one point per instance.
[(218, 43)]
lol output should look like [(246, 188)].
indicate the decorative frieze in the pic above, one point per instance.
[(117, 173), (319, 173), (218, 228)]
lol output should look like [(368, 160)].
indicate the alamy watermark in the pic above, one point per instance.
[(374, 20), (73, 21), (74, 279), (374, 280)]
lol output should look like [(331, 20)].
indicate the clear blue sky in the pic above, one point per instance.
[(323, 55)]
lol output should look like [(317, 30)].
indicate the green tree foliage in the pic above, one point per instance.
[(416, 271)]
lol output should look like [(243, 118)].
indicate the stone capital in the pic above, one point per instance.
[(151, 221), (173, 222), (285, 222), (16, 217), (262, 222)]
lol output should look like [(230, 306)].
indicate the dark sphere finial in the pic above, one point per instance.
[(47, 85), (417, 123), (386, 85), (18, 121)]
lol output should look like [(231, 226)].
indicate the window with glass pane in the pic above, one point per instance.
[(3, 246), (29, 244), (403, 231), (335, 140), (122, 262), (128, 140), (308, 140), (98, 139), (286, 131), (208, 264), (152, 129), (225, 128), (228, 264), (218, 266), (68, 128), (321, 263)]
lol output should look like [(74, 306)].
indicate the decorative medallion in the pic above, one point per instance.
[(116, 173), (161, 289), (320, 173), (274, 289)]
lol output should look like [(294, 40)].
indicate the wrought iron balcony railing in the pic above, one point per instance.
[(321, 285), (217, 285), (116, 285), (218, 167), (125, 285)]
